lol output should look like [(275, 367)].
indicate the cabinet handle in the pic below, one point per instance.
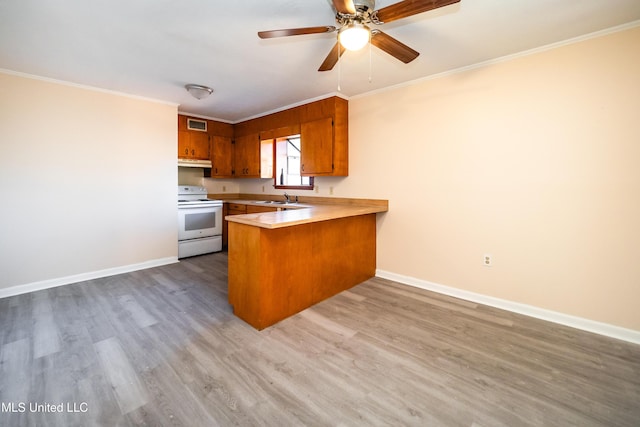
[(302, 167), (186, 151), (193, 152)]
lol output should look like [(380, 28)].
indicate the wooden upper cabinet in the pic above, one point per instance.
[(340, 137), (324, 137), (184, 147), (199, 145), (192, 144), (316, 143), (323, 126), (221, 156), (315, 115), (246, 158)]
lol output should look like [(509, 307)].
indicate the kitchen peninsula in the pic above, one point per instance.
[(283, 262)]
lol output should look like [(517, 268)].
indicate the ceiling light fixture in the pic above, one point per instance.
[(198, 91), (354, 36)]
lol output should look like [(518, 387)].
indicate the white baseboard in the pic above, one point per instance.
[(528, 310), (61, 281)]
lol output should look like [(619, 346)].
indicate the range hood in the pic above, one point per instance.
[(192, 163)]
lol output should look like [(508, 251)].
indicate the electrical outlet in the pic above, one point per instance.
[(331, 190), (263, 188), (224, 188), (317, 189), (487, 260)]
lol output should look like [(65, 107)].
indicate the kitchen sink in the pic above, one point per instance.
[(272, 202)]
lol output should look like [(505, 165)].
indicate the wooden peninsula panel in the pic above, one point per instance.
[(277, 272)]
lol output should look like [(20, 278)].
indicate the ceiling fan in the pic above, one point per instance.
[(354, 19)]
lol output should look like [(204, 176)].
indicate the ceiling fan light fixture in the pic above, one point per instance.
[(354, 36), (198, 91)]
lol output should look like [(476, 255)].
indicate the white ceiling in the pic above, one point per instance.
[(152, 48)]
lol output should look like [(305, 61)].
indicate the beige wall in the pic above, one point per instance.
[(534, 160), (87, 180)]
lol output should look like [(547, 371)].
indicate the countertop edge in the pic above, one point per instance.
[(303, 213)]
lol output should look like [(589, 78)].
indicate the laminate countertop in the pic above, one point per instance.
[(303, 213)]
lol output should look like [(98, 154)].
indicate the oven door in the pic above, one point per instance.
[(199, 221)]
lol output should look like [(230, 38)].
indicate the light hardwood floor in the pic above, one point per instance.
[(161, 347)]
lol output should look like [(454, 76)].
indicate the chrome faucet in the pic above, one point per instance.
[(286, 197)]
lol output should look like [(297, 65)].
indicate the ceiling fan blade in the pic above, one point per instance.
[(393, 47), (295, 32), (332, 59), (408, 8), (345, 6)]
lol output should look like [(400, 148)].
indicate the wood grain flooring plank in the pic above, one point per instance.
[(127, 386), (139, 315), (15, 318), (326, 323), (90, 305), (175, 401), (15, 364), (142, 352), (419, 294), (167, 297), (279, 401), (46, 338), (228, 392), (150, 415), (351, 295), (101, 405)]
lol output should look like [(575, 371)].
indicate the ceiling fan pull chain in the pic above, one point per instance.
[(339, 70), (370, 60)]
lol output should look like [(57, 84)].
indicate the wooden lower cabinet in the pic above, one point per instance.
[(230, 209), (260, 209), (240, 209), (276, 273), (236, 209)]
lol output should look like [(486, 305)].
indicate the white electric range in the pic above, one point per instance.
[(199, 222)]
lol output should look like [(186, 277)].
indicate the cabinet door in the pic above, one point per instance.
[(199, 145), (193, 145), (221, 156), (247, 156), (259, 209), (316, 142), (184, 148)]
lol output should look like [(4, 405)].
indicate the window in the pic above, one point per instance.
[(287, 154)]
